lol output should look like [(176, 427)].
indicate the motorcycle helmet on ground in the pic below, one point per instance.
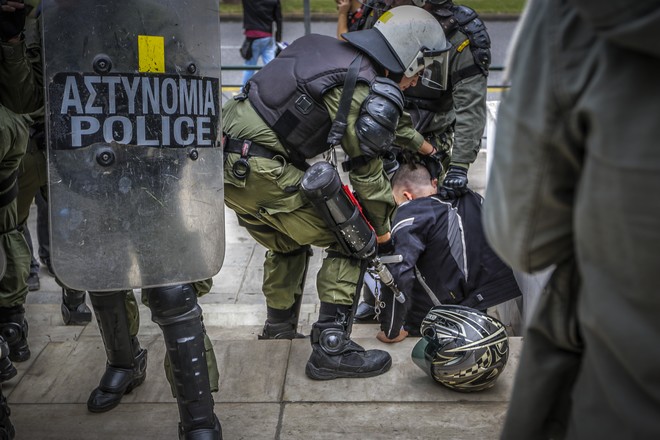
[(461, 348)]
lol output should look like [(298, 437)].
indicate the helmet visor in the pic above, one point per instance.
[(423, 353), (436, 73), (435, 61)]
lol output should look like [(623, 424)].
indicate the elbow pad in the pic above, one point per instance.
[(379, 117)]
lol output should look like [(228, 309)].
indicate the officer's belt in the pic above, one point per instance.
[(236, 146)]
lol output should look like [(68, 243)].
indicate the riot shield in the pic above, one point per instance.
[(134, 162)]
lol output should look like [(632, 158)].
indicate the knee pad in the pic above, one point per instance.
[(172, 304)]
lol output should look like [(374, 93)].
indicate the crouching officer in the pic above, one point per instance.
[(318, 93), (134, 182), (453, 115)]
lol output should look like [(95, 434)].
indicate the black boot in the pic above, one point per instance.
[(126, 367), (7, 369), (335, 355), (6, 428), (281, 324), (214, 433), (116, 382), (74, 309), (14, 329)]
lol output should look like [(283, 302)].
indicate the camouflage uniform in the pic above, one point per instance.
[(263, 199), (20, 93)]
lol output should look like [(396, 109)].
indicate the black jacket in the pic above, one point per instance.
[(445, 244), (260, 14)]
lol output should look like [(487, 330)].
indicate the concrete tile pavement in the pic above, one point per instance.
[(264, 393)]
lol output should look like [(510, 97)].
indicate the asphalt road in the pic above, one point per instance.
[(231, 37)]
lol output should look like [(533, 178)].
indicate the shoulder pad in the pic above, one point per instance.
[(463, 14), (477, 33), (389, 89)]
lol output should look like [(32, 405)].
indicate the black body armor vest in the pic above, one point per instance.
[(288, 92)]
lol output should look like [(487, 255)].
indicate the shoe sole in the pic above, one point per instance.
[(326, 374)]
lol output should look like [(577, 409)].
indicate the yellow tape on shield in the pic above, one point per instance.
[(151, 54)]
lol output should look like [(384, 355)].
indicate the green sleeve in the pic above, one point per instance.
[(469, 97), (471, 112), (20, 88), (406, 135), (369, 181)]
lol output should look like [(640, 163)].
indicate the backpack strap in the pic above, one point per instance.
[(339, 124)]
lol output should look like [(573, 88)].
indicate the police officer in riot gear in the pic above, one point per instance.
[(454, 119), (19, 93), (452, 116), (132, 126), (318, 93)]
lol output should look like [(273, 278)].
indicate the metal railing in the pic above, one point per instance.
[(233, 68)]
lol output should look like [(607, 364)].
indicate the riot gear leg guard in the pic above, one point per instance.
[(74, 309), (7, 371), (335, 355), (14, 329), (177, 313), (126, 368)]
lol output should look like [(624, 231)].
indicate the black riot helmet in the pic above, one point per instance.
[(461, 348)]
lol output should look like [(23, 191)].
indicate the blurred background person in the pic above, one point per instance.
[(258, 19), (574, 184)]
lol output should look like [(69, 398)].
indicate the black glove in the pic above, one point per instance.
[(455, 183), (386, 248), (12, 23), (433, 163)]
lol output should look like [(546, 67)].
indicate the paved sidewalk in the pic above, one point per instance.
[(264, 393)]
